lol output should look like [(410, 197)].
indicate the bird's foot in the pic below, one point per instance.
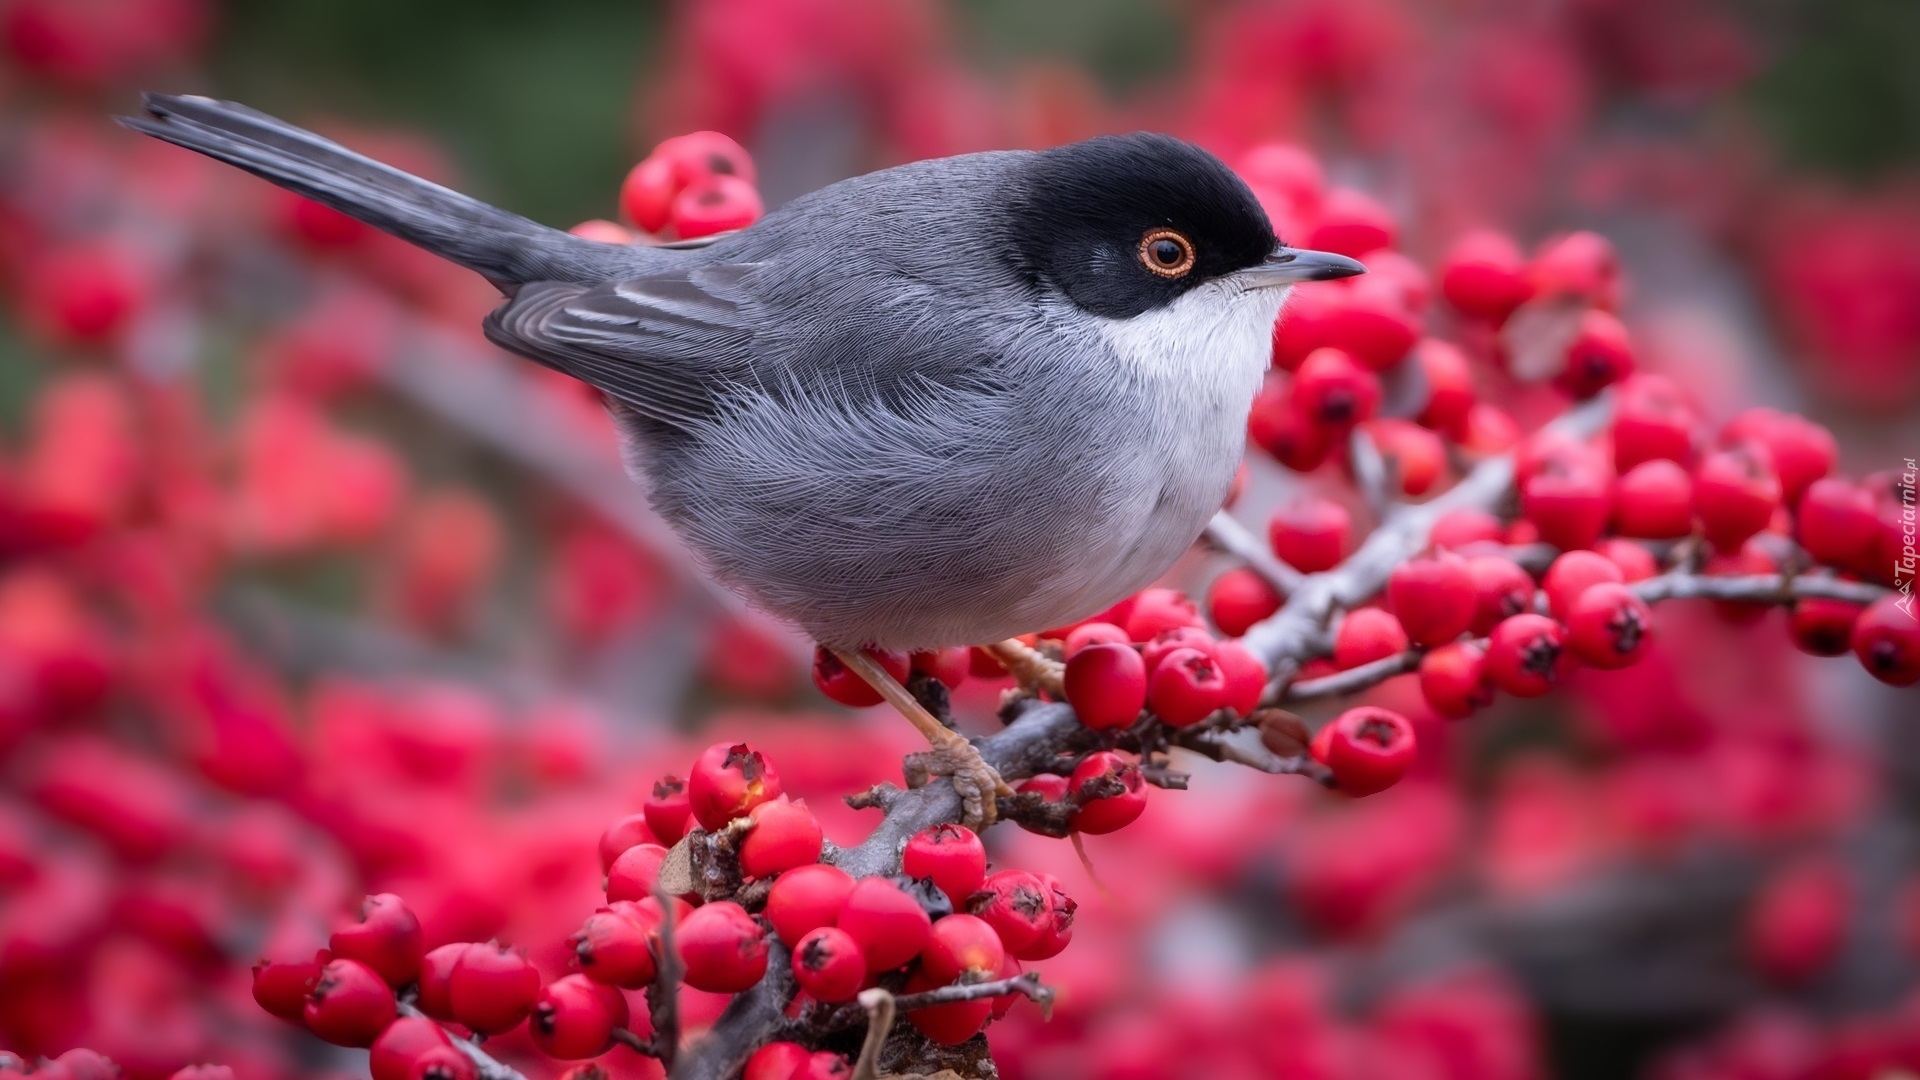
[(1035, 671), (951, 755), (978, 785)]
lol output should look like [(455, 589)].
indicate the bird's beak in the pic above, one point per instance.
[(1287, 265)]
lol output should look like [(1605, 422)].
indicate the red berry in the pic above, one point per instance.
[(1351, 223), (715, 205), (1433, 598), (1310, 534), (1450, 389), (1799, 919), (1608, 626), (828, 964), (1600, 355), (185, 1072), (1170, 641), (615, 946), (401, 1044), (633, 874), (1652, 421), (962, 945), (776, 1061), (349, 1004), (1735, 494), (1091, 633), (1801, 451), (785, 835), (668, 811), (1016, 904), (699, 155), (1004, 1004), (281, 978), (722, 948), (1368, 749), (1500, 589), (1106, 813), (1580, 265), (1823, 627), (436, 980), (386, 938), (574, 1018), (1239, 598), (1418, 456), (1365, 635), (886, 922), (948, 1025), (1246, 676), (1155, 611), (1057, 931), (951, 856), (729, 779), (1654, 500), (1186, 688), (825, 1065), (1886, 638), (1569, 503), (623, 834), (646, 195), (1636, 563), (1106, 685), (1282, 430), (950, 667), (844, 685), (1484, 276), (1332, 390), (1453, 679), (806, 897), (492, 988), (1371, 321), (1835, 522), (1572, 574), (1525, 654)]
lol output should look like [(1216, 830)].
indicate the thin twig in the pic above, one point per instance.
[(1028, 984), (485, 1065), (1226, 533), (1354, 679), (663, 996)]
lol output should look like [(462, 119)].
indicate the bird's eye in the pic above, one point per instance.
[(1166, 252)]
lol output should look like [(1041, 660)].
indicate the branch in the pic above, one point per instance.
[(1287, 636), (663, 997), (1756, 588), (1226, 533), (1028, 984)]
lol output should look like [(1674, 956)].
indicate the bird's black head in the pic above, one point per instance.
[(1124, 224)]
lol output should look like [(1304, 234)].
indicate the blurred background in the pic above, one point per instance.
[(306, 592)]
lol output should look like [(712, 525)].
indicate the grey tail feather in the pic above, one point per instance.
[(506, 248)]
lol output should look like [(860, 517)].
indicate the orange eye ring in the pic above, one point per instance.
[(1166, 252)]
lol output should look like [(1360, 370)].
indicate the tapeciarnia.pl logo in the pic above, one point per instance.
[(1904, 566)]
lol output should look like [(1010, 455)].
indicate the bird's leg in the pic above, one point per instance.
[(951, 756), (1035, 671)]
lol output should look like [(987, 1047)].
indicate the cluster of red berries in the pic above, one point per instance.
[(691, 186), (942, 920)]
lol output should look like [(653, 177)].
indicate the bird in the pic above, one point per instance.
[(940, 404)]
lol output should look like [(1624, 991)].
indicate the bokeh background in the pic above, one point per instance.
[(307, 592)]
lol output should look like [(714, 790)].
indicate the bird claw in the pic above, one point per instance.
[(978, 785)]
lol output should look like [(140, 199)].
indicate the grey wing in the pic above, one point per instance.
[(664, 345)]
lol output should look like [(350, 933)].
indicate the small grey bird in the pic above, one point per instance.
[(940, 404)]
